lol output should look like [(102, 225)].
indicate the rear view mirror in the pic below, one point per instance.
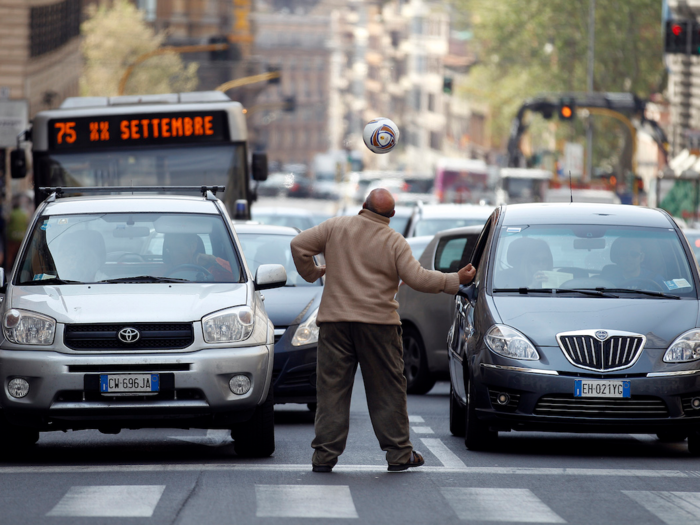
[(270, 276), (259, 165), (589, 244), (18, 163), (469, 292)]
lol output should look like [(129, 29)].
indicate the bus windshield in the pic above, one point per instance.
[(164, 166)]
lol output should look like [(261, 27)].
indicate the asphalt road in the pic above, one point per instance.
[(176, 476)]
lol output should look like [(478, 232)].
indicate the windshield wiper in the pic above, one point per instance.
[(53, 280), (643, 292), (144, 279), (583, 291)]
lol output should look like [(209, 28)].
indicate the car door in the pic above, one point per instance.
[(462, 326), (451, 254)]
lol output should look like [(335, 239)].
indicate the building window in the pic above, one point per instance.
[(51, 26), (436, 140), (431, 102), (149, 9)]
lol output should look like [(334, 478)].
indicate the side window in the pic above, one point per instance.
[(448, 254), (468, 249), (481, 243)]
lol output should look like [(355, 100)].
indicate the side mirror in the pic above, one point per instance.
[(18, 163), (270, 276), (469, 292), (259, 166)]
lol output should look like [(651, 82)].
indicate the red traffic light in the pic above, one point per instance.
[(566, 112), (677, 29)]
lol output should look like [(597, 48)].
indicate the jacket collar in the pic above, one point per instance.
[(374, 216)]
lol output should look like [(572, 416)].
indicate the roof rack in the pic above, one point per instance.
[(63, 191)]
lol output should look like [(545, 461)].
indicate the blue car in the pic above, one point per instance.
[(292, 309)]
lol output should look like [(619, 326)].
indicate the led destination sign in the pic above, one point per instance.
[(138, 130)]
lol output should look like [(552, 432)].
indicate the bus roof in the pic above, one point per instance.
[(135, 100)]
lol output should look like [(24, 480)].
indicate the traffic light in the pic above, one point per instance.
[(447, 85), (567, 108), (677, 34), (274, 69)]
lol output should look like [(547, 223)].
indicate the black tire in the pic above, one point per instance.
[(256, 438), (458, 421), (477, 435), (670, 436), (694, 444), (13, 437), (415, 364)]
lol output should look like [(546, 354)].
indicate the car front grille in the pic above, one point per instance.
[(152, 336), (563, 405), (614, 352)]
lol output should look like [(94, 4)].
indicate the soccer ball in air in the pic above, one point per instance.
[(381, 135)]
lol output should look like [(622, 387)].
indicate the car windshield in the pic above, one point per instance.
[(271, 249), (399, 223), (592, 257), (129, 247), (433, 226)]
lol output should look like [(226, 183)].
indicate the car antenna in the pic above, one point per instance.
[(571, 190)]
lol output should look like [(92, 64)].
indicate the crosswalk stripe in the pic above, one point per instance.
[(673, 508), (415, 419), (444, 454), (304, 501), (423, 430), (118, 501), (488, 504)]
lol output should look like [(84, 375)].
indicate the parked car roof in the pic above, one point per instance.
[(132, 203), (622, 215), (269, 229)]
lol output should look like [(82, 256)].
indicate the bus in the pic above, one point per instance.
[(175, 139), (461, 180)]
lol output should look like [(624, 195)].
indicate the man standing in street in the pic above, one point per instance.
[(365, 259)]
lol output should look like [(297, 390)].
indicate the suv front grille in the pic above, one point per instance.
[(586, 350), (152, 336), (566, 405)]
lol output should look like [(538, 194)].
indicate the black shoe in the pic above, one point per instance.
[(321, 468), (416, 460)]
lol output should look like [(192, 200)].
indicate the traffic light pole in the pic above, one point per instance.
[(591, 62), (238, 82)]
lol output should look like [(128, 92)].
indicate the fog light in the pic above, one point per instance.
[(18, 387), (239, 384), (503, 399), (695, 403)]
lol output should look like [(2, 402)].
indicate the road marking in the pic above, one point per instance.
[(118, 501), (423, 430), (304, 501), (486, 504), (214, 438), (444, 454), (306, 467), (673, 508), (415, 419)]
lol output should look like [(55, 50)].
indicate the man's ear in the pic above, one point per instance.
[(392, 213), (364, 205)]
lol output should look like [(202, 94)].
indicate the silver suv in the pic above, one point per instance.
[(136, 312)]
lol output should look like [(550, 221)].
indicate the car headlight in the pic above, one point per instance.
[(28, 328), (229, 326), (508, 342), (685, 348), (307, 332)]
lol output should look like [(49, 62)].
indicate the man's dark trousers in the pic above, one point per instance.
[(379, 351)]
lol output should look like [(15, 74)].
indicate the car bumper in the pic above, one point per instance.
[(541, 401), (64, 389), (294, 371)]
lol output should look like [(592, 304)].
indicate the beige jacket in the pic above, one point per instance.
[(365, 259)]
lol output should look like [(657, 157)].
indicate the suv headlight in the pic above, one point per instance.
[(685, 348), (307, 332), (229, 326), (28, 328), (508, 342)]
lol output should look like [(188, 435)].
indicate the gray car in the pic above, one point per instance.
[(136, 312), (426, 317)]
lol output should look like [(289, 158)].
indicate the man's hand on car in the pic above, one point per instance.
[(466, 274)]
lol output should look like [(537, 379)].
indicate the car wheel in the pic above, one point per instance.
[(256, 438), (694, 444), (415, 364), (477, 435), (14, 437), (457, 415), (672, 437)]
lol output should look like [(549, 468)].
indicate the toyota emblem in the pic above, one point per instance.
[(128, 335), (601, 335)]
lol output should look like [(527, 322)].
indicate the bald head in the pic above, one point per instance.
[(380, 201)]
